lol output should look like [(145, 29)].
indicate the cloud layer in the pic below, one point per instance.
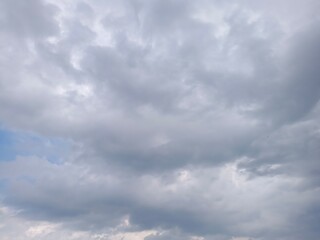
[(150, 120)]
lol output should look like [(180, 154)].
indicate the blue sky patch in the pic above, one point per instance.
[(19, 143)]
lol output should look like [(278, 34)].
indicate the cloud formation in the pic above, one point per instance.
[(172, 119)]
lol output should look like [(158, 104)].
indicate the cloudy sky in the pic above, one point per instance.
[(159, 120)]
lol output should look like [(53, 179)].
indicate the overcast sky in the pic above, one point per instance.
[(159, 120)]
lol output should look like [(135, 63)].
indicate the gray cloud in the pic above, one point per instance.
[(187, 120), (28, 19)]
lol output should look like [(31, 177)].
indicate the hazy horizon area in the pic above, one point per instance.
[(159, 120)]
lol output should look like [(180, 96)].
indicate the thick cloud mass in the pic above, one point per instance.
[(160, 119)]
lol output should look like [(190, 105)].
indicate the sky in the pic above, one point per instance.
[(159, 120)]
